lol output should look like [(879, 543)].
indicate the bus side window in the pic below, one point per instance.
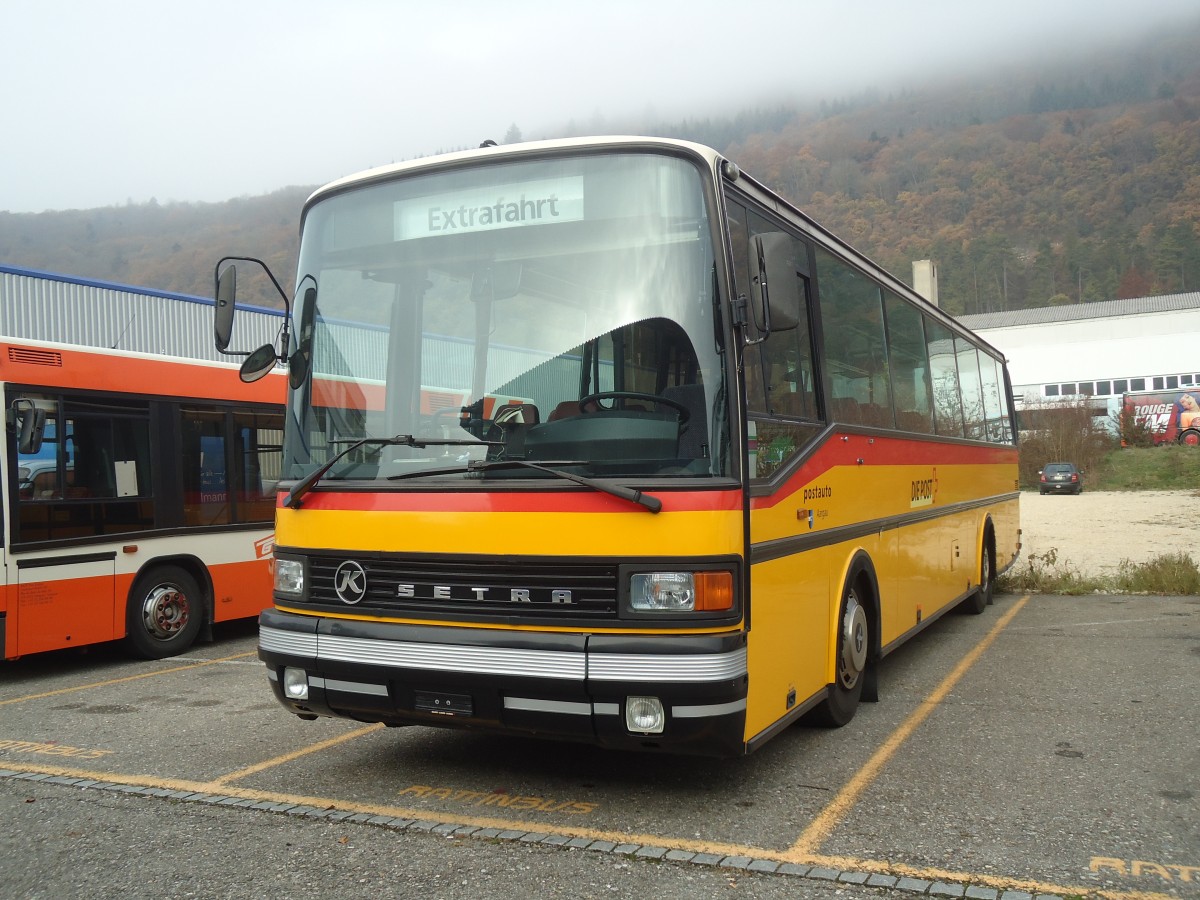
[(947, 401), (258, 452), (909, 359), (858, 375)]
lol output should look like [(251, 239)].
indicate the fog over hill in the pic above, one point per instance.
[(1071, 180)]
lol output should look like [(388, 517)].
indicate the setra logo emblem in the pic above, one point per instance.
[(350, 582)]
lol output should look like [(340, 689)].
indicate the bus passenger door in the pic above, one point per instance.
[(63, 600), (6, 595)]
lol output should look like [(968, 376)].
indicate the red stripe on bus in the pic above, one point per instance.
[(848, 450)]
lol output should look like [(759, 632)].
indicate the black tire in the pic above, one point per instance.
[(853, 656), (164, 614), (984, 595)]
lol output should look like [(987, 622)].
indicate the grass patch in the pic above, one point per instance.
[(1042, 573), (1172, 467), (1171, 573)]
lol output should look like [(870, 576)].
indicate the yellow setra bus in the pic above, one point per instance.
[(601, 440)]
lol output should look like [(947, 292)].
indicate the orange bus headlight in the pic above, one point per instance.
[(670, 592)]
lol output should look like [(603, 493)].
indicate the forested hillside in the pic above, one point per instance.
[(1077, 181), (170, 247)]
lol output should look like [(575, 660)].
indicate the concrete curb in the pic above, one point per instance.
[(549, 839)]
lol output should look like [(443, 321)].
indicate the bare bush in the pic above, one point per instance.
[(1066, 430)]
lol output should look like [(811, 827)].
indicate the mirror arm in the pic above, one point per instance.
[(740, 321), (287, 304), (285, 332)]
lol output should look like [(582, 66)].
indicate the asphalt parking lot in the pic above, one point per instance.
[(1047, 747)]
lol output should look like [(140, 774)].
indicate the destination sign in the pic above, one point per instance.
[(491, 208)]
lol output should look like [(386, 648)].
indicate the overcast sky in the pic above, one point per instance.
[(109, 102)]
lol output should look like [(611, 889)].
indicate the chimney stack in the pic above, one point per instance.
[(925, 279)]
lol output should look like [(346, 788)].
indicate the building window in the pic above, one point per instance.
[(1103, 388), (1172, 382), (1158, 383), (1086, 388), (1137, 384), (1052, 390), (1120, 386), (1185, 379), (1068, 389)]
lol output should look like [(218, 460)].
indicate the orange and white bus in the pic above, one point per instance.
[(138, 497), (737, 466)]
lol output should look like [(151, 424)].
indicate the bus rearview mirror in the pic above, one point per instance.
[(258, 363), (32, 430), (777, 283), (226, 296)]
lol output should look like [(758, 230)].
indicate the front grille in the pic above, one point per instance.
[(456, 587)]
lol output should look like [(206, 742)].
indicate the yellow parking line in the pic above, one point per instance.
[(820, 828), (296, 754), (112, 681), (616, 837), (804, 850)]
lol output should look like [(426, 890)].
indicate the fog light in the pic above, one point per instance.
[(295, 684), (645, 715)]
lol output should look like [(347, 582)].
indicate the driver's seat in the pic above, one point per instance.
[(695, 433), (565, 410)]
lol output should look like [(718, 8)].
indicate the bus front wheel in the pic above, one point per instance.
[(164, 613), (853, 650)]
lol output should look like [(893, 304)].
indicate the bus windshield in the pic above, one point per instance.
[(560, 311)]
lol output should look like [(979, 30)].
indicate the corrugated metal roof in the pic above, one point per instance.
[(1105, 309), (45, 306)]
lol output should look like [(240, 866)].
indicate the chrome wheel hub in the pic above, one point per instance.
[(853, 658), (165, 612)]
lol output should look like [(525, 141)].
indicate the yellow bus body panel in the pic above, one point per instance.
[(635, 533), (914, 524)]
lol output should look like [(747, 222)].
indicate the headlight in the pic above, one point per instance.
[(681, 591), (667, 591), (289, 576)]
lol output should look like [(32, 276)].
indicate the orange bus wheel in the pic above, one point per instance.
[(164, 613)]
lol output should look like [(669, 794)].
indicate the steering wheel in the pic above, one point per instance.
[(682, 410)]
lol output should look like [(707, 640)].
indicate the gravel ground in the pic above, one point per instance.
[(1095, 530)]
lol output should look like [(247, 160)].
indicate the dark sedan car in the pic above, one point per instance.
[(1061, 478)]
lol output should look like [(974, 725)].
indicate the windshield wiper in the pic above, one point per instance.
[(292, 500), (653, 504)]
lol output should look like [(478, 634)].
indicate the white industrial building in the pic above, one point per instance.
[(1098, 350), (45, 306)]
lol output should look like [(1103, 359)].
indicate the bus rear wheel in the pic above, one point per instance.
[(164, 613), (853, 651)]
